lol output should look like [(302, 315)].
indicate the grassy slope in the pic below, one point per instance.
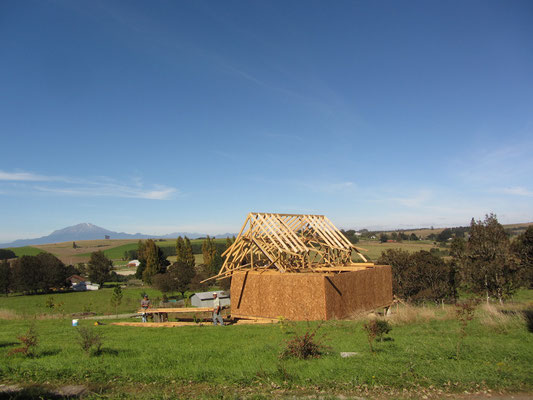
[(116, 253), (421, 353), (25, 251), (375, 248)]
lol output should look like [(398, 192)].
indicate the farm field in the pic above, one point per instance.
[(375, 248), (424, 232), (113, 249), (70, 255), (419, 357)]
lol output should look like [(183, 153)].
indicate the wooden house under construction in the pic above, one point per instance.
[(300, 267)]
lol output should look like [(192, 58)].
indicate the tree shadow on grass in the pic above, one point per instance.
[(528, 314), (50, 352), (34, 392), (108, 352), (7, 344)]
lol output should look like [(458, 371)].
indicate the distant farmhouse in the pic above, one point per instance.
[(79, 284)]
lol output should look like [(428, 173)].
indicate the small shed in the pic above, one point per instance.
[(83, 286), (205, 299)]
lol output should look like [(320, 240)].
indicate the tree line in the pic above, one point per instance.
[(45, 272), (487, 264), (183, 274)]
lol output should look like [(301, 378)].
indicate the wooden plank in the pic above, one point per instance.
[(176, 310), (341, 269)]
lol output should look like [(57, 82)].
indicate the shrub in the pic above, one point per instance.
[(464, 313), (376, 328), (90, 340), (29, 342), (305, 345)]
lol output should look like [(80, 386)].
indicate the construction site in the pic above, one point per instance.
[(294, 267), (300, 267)]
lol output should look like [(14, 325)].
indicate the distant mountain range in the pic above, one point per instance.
[(88, 231)]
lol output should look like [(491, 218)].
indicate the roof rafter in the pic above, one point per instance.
[(289, 243)]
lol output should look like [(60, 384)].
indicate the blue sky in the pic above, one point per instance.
[(168, 116)]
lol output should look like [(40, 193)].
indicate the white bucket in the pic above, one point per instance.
[(74, 322)]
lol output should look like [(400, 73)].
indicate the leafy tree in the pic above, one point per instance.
[(188, 255), (99, 267), (413, 236), (444, 235), (201, 272), (383, 238), (403, 236), (522, 247), (216, 263), (40, 273), (116, 298), (225, 284), (180, 249), (432, 278), (82, 268), (53, 273), (176, 279), (228, 243), (487, 266), (26, 274), (5, 277), (350, 235), (152, 261), (399, 261), (419, 276), (209, 250), (6, 254)]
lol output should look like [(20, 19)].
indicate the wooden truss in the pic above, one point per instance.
[(289, 243)]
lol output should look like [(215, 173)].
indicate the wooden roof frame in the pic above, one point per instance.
[(290, 243)]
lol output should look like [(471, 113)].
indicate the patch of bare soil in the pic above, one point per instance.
[(70, 255)]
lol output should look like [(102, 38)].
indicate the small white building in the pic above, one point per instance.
[(205, 299), (84, 286), (134, 263)]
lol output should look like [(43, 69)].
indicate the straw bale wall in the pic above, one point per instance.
[(309, 296)]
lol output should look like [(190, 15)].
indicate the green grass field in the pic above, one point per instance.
[(156, 362), (97, 301), (117, 253), (25, 251), (197, 361), (375, 248)]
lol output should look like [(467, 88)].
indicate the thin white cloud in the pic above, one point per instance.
[(109, 190), (516, 191), (24, 177), (98, 187)]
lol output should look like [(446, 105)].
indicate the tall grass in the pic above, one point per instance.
[(502, 319)]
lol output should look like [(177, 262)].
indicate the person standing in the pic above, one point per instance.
[(217, 317), (145, 305)]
